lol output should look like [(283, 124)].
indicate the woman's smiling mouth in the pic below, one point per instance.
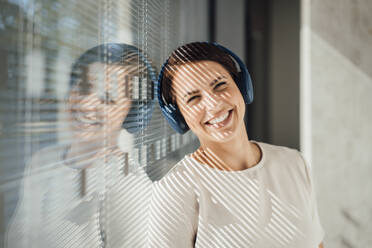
[(221, 120)]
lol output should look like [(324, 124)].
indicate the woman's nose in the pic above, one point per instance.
[(211, 100)]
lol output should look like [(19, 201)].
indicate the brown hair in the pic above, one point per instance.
[(194, 52)]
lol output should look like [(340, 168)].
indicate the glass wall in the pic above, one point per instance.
[(81, 134)]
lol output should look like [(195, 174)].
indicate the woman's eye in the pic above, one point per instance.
[(192, 98), (220, 86)]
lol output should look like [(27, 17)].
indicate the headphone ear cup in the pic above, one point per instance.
[(242, 85), (175, 118), (248, 87), (181, 121), (170, 111)]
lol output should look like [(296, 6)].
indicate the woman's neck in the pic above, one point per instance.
[(236, 154)]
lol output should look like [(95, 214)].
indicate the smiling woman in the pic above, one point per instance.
[(232, 191), (212, 105)]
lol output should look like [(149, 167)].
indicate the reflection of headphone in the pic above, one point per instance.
[(141, 108), (171, 112)]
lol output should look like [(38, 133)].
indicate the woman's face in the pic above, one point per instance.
[(209, 100), (99, 103)]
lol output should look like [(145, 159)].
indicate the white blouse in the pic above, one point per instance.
[(272, 204)]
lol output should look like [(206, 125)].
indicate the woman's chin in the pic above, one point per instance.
[(220, 136), (223, 136)]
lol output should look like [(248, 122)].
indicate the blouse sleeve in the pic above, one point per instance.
[(318, 229), (173, 215)]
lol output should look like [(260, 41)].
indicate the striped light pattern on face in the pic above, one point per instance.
[(208, 99)]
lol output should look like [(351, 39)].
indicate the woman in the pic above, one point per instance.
[(232, 191), (90, 192)]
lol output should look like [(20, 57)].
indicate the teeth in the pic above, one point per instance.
[(219, 119)]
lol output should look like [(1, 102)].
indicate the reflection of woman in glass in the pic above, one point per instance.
[(232, 191), (90, 192)]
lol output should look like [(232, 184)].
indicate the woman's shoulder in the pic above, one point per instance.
[(180, 177), (277, 149), (277, 153), (285, 159)]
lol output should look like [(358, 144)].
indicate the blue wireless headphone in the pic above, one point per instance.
[(171, 112), (113, 53)]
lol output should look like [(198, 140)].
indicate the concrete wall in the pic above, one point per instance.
[(338, 60)]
